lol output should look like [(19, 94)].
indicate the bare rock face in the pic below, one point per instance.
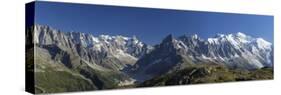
[(97, 61), (236, 51), (112, 52)]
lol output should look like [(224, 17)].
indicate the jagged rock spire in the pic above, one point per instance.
[(168, 38)]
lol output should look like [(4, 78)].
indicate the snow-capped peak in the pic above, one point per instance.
[(95, 40), (105, 37), (261, 43), (195, 36), (240, 34), (213, 40), (121, 37)]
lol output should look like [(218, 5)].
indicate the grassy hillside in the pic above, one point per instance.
[(208, 74), (60, 81), (53, 76)]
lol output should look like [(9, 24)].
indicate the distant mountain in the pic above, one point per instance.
[(97, 61), (73, 61), (236, 51), (111, 52)]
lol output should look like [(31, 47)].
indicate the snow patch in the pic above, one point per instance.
[(261, 43)]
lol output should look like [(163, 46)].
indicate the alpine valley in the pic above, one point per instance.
[(76, 61)]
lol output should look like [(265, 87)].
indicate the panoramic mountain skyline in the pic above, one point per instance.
[(150, 25), (89, 62), (220, 48), (107, 36)]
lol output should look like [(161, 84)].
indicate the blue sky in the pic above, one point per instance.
[(149, 25)]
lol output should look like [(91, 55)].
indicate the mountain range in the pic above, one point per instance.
[(92, 62)]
